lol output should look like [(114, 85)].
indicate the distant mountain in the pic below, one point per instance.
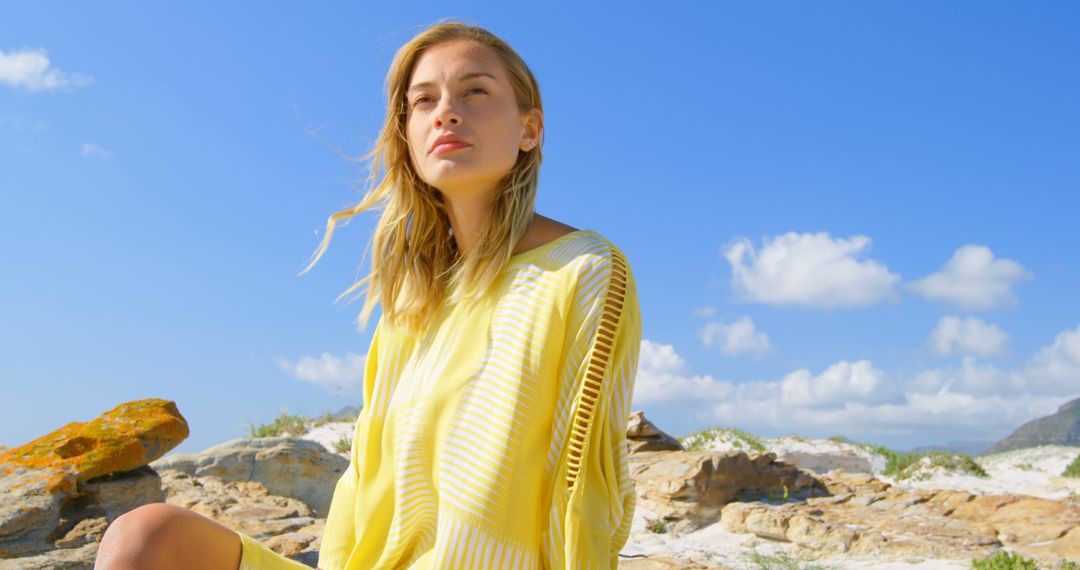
[(349, 412), (1062, 428), (966, 447)]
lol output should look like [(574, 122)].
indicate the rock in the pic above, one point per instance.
[(643, 435), (897, 523), (689, 488), (284, 524), (286, 466), (53, 485)]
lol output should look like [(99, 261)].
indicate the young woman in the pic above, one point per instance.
[(499, 377)]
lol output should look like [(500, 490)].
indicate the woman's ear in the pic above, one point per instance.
[(533, 121)]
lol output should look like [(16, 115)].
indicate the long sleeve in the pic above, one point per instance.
[(600, 498), (340, 530)]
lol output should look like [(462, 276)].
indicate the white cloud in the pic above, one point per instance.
[(91, 149), (954, 335), (1055, 368), (810, 270), (664, 377), (339, 375), (973, 279), (840, 383), (734, 338), (30, 69), (858, 400), (705, 311)]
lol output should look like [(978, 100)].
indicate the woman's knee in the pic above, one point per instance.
[(128, 538), (153, 537)]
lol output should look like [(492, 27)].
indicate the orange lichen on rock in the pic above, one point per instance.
[(124, 438)]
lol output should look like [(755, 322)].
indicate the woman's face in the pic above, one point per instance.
[(460, 88)]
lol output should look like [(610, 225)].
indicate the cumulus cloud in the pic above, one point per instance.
[(857, 399), (340, 375), (839, 384), (1056, 368), (91, 149), (954, 335), (31, 70), (734, 338), (664, 377), (813, 270), (973, 279)]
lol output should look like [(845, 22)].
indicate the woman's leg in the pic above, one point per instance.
[(160, 536)]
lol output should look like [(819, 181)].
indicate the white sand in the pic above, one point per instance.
[(328, 434)]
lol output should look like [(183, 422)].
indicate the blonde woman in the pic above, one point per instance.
[(499, 376)]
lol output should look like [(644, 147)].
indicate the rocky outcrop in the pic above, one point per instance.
[(285, 524), (862, 516), (57, 487), (285, 466), (643, 435), (62, 491), (687, 489)]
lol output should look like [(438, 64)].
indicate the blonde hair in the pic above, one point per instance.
[(415, 266)]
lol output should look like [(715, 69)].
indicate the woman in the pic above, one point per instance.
[(499, 377)]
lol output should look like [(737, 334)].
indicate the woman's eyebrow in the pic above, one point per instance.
[(462, 77)]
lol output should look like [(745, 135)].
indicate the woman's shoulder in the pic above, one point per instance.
[(590, 263)]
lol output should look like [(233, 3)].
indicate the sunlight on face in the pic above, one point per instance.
[(461, 88)]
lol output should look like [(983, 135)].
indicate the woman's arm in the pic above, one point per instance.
[(601, 501)]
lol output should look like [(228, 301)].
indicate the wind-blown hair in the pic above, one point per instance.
[(415, 263)]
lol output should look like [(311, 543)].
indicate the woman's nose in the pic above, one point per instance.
[(447, 112)]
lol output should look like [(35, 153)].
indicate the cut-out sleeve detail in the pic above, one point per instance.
[(339, 533), (600, 496)]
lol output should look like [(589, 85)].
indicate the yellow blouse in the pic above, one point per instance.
[(497, 437)]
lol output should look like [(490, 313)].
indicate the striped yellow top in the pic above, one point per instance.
[(497, 438)]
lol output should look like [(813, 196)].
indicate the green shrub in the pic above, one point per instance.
[(1073, 470), (1002, 560), (656, 525), (700, 440), (779, 562), (284, 424), (343, 445), (901, 465)]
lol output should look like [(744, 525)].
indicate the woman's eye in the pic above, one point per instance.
[(424, 98)]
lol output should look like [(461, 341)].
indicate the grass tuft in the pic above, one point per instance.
[(1073, 470), (781, 561), (1002, 560)]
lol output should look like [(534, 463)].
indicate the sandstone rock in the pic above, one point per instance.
[(688, 488), (899, 523), (284, 524), (80, 472), (286, 466), (643, 435), (124, 438)]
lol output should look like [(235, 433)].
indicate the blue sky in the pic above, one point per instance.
[(843, 217)]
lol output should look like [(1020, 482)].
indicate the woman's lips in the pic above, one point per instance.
[(448, 147)]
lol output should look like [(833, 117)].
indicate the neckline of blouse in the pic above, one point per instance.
[(544, 246)]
